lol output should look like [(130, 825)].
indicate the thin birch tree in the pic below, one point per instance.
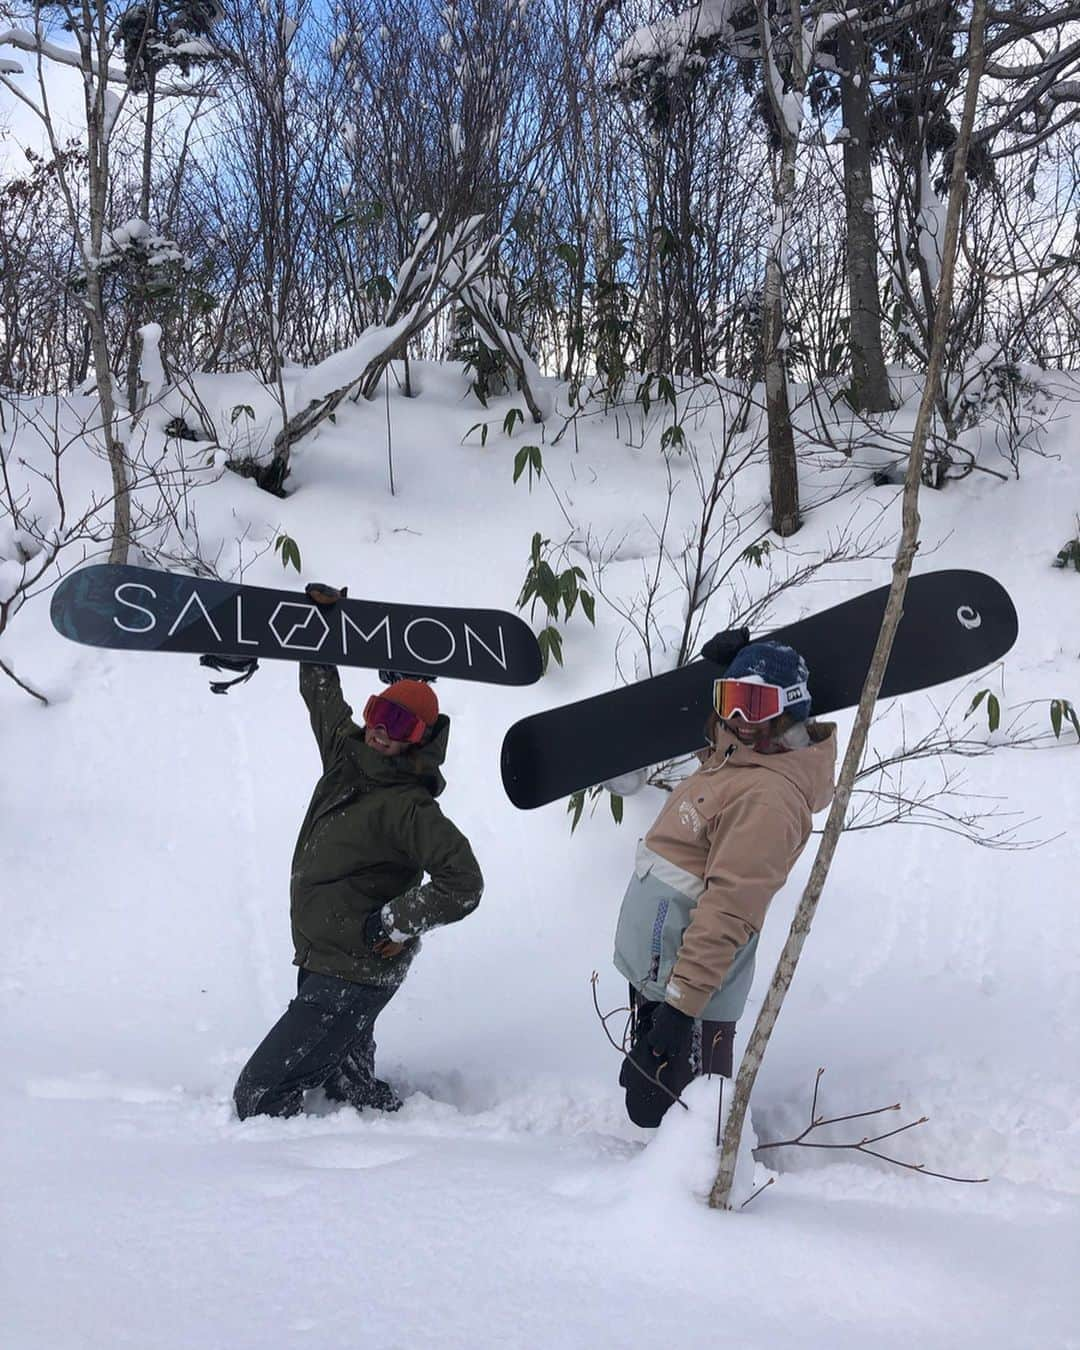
[(719, 1197)]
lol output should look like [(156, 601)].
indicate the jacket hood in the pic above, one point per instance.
[(811, 768), (421, 765)]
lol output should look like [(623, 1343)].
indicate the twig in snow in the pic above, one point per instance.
[(763, 1187), (860, 1146)]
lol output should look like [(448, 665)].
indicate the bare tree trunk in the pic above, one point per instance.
[(140, 308), (909, 542), (114, 447), (869, 381), (95, 54), (783, 466)]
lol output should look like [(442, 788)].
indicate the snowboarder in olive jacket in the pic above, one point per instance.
[(722, 846), (359, 901)]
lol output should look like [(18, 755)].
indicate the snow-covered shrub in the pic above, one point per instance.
[(1009, 402)]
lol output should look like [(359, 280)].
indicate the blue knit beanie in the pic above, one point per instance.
[(775, 664)]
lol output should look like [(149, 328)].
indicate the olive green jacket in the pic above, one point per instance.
[(371, 832)]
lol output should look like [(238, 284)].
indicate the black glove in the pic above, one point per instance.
[(325, 595), (670, 1034), (722, 648), (378, 939), (651, 1075)]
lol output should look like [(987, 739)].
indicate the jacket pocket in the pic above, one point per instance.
[(673, 924), (652, 920)]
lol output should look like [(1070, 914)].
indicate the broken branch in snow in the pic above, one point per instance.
[(817, 1122)]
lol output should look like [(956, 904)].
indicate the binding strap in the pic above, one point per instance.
[(245, 665)]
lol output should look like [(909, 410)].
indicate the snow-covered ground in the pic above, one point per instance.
[(145, 832)]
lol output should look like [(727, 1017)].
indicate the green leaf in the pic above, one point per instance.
[(672, 436), (616, 807), (588, 604), (1061, 710), (993, 711), (1069, 554), (244, 408), (289, 550), (568, 590), (576, 804), (528, 455), (512, 417), (547, 581), (550, 641), (756, 553), (568, 254), (666, 390), (976, 701), (482, 427)]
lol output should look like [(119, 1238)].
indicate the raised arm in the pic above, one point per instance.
[(331, 716)]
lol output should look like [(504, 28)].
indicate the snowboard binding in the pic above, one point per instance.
[(245, 666)]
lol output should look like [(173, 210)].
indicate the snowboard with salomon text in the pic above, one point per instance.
[(142, 609)]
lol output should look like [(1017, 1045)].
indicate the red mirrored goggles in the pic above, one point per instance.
[(399, 723), (754, 702)]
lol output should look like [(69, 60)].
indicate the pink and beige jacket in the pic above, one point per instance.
[(723, 845)]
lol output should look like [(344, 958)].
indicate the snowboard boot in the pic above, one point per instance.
[(372, 1092), (354, 1082)]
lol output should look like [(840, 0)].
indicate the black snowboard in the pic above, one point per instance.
[(954, 623), (140, 609)]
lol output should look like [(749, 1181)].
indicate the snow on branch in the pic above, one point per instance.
[(26, 41), (667, 47), (23, 40)]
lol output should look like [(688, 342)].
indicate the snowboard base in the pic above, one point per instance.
[(955, 622)]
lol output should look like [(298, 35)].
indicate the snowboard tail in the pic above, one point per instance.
[(142, 609), (954, 623)]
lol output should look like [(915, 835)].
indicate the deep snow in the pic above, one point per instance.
[(146, 829)]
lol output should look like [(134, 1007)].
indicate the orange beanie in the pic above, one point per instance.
[(417, 696)]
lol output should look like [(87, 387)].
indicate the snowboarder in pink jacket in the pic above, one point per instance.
[(723, 845)]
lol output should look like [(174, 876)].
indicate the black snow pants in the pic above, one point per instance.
[(651, 1087), (324, 1038)]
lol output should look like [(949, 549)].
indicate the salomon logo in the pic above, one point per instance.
[(969, 618)]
